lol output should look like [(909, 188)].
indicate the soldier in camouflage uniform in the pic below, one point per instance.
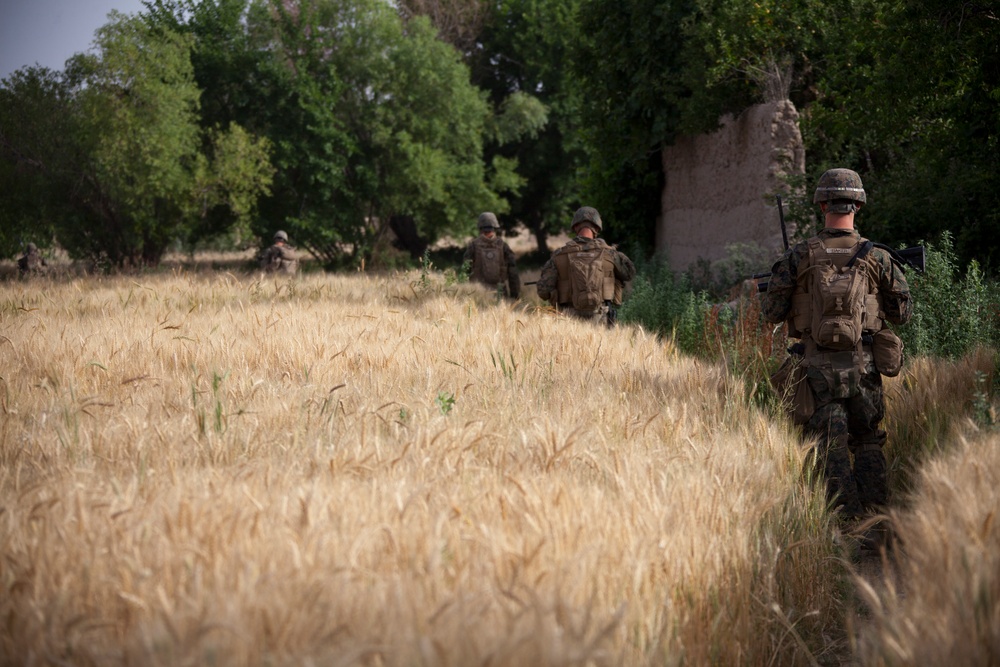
[(279, 257), (32, 262), (846, 385), (558, 286), (491, 260)]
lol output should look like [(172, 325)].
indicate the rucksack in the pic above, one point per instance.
[(586, 277), (837, 303), (490, 266)]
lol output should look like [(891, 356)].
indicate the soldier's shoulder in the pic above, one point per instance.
[(883, 258), (568, 246)]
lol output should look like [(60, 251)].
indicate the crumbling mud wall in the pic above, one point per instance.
[(720, 187)]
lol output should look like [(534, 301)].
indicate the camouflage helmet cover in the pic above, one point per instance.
[(839, 184), (587, 214), (487, 221), (31, 248), (280, 235)]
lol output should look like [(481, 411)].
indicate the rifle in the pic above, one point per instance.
[(762, 287), (781, 219)]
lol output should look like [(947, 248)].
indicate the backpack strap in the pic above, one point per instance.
[(862, 252), (564, 289)]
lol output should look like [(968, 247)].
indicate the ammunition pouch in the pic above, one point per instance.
[(792, 386), (887, 352)]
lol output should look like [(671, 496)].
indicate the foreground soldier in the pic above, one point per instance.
[(32, 263), (586, 277), (279, 257), (835, 291), (492, 260)]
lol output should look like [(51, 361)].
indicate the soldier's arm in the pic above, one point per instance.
[(895, 291), (469, 253), (624, 268), (776, 303), (548, 282), (513, 278)]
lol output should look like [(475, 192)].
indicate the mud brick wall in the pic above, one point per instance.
[(720, 187)]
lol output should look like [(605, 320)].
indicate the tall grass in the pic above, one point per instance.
[(930, 407), (220, 469), (938, 600), (944, 607)]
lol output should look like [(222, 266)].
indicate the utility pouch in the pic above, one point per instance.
[(781, 377), (792, 386), (804, 400), (887, 352)]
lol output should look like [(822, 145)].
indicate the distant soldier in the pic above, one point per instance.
[(835, 291), (279, 257), (586, 277), (492, 260), (32, 263)]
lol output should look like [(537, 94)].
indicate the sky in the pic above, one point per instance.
[(48, 32)]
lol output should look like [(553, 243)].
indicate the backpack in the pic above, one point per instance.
[(586, 277), (837, 302), (489, 264)]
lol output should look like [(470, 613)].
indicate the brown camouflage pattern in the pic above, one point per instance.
[(892, 286), (850, 404), (513, 286), (548, 282), (32, 262), (845, 423), (279, 258)]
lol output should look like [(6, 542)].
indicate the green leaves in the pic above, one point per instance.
[(370, 121), (124, 163)]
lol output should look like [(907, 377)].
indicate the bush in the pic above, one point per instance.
[(952, 313), (665, 303)]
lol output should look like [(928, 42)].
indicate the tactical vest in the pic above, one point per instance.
[(586, 277), (837, 298), (489, 264)]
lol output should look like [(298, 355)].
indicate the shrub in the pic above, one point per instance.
[(665, 303), (952, 312)]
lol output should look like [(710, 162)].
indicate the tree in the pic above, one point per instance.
[(34, 129), (372, 119), (458, 22), (381, 122), (914, 108), (904, 93), (631, 67), (525, 63), (130, 174)]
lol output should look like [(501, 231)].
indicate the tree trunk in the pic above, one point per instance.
[(535, 224), (407, 237)]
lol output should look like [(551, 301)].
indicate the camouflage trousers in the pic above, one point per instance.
[(846, 425), (598, 316)]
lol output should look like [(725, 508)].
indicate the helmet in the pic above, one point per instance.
[(840, 184), (281, 236), (31, 247), (488, 221), (587, 214)]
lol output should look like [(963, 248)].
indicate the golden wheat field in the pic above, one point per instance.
[(210, 468), (945, 608)]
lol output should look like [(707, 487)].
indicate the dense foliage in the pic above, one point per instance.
[(955, 310), (341, 119), (372, 119)]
